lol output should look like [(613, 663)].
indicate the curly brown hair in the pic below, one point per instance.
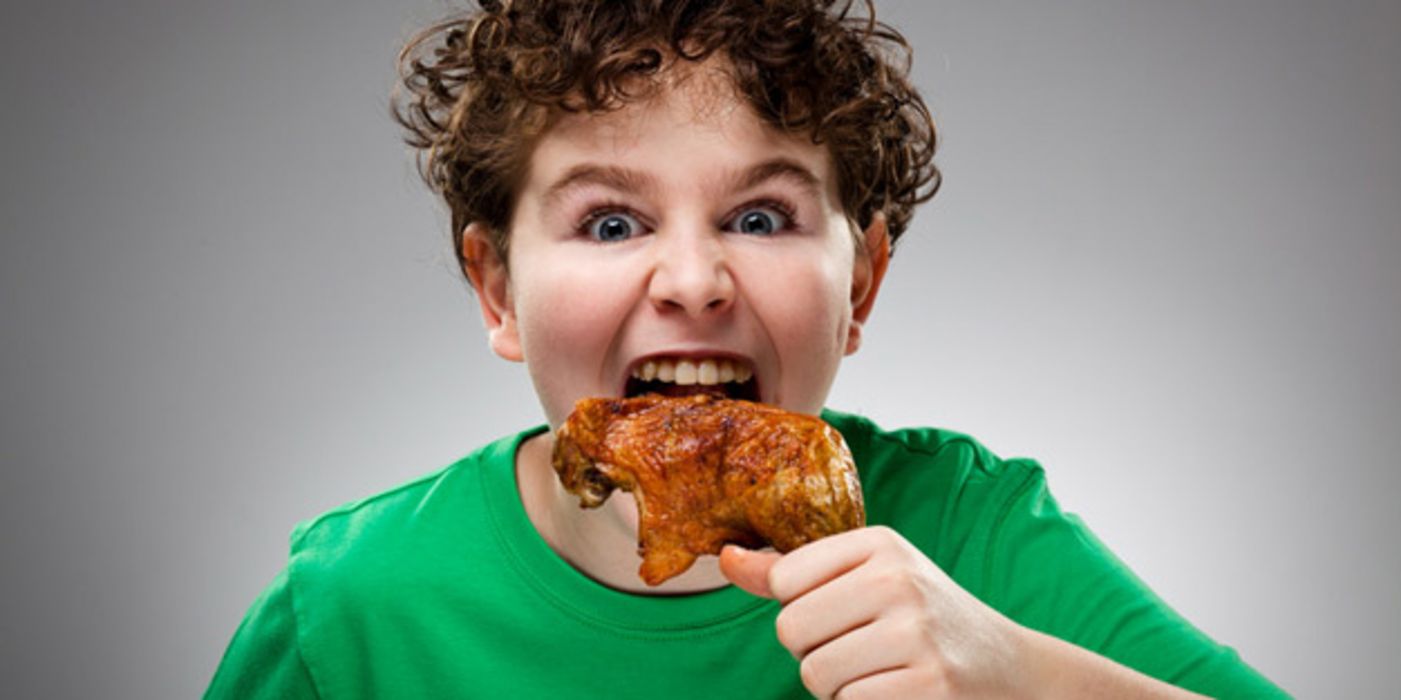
[(477, 88)]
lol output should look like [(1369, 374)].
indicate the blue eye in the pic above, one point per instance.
[(759, 221), (616, 226)]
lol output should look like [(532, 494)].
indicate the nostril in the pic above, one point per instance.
[(695, 305), (694, 280)]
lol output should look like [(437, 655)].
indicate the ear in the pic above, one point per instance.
[(487, 272), (871, 261)]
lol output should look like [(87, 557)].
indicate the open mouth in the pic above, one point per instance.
[(723, 378)]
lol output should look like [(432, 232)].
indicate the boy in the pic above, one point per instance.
[(695, 185)]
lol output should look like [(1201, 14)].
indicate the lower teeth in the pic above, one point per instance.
[(725, 390)]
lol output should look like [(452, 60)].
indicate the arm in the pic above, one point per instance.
[(1064, 670), (868, 615), (264, 658)]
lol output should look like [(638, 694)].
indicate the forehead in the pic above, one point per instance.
[(695, 129)]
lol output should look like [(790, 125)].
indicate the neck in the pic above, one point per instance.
[(600, 542)]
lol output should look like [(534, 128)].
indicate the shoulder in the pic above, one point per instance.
[(379, 519), (384, 539), (339, 600), (925, 450), (378, 514), (941, 489)]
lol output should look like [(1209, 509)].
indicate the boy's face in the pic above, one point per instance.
[(678, 228)]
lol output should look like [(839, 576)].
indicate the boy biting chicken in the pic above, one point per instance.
[(696, 198)]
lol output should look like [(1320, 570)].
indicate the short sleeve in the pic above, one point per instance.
[(1047, 571), (264, 659)]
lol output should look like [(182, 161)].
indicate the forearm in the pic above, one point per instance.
[(1059, 669)]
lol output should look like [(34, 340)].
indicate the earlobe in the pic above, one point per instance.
[(871, 261), (487, 273)]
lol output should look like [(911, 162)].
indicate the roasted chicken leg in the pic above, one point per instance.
[(706, 471)]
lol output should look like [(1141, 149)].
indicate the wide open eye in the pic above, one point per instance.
[(613, 226), (759, 221)]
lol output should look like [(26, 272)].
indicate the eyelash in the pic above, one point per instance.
[(603, 210), (609, 208), (787, 212)]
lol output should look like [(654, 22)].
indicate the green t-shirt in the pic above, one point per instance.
[(443, 588)]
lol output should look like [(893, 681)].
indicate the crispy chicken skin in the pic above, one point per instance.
[(708, 470)]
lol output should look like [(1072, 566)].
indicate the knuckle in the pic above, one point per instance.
[(881, 533), (917, 633), (855, 691), (889, 543), (909, 630), (938, 678), (813, 672), (848, 692), (777, 581), (894, 584), (934, 672), (786, 626)]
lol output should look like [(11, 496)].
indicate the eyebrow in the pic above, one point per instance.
[(627, 180), (780, 169), (610, 176)]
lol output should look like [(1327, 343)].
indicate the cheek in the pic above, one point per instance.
[(808, 306), (566, 329), (566, 313)]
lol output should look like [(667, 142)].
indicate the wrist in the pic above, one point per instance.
[(1043, 666), (1032, 672), (1054, 668)]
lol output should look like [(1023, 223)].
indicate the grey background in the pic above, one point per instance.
[(1165, 263)]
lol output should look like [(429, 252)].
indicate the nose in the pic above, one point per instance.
[(691, 273)]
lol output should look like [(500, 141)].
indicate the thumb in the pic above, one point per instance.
[(748, 569)]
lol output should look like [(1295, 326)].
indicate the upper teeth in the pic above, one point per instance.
[(689, 372)]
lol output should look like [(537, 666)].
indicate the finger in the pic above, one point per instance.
[(857, 654), (748, 569), (816, 563), (830, 610), (895, 683)]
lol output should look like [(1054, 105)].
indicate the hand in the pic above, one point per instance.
[(869, 616)]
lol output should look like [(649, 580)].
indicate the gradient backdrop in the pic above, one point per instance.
[(1166, 263)]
